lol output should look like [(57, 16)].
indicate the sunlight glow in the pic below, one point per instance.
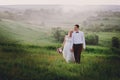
[(60, 2)]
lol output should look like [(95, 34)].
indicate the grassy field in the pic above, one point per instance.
[(29, 62), (24, 33), (105, 37), (28, 53), (32, 34)]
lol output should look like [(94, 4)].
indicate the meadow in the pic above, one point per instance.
[(29, 53), (29, 62)]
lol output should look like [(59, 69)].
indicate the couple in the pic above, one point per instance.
[(73, 43)]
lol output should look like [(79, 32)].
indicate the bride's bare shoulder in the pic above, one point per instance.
[(66, 35)]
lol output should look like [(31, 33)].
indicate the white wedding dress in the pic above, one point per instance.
[(67, 54)]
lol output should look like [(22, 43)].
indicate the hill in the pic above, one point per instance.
[(23, 33)]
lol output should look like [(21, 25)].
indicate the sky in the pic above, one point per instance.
[(59, 2)]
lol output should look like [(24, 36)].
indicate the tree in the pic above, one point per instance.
[(58, 34)]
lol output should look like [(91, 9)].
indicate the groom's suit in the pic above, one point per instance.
[(78, 43)]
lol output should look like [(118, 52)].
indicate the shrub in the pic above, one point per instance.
[(115, 42), (92, 39), (58, 34)]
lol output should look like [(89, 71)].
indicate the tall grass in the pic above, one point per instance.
[(43, 63)]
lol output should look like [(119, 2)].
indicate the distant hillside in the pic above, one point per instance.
[(23, 33), (53, 15)]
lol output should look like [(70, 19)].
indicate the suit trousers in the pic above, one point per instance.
[(77, 48)]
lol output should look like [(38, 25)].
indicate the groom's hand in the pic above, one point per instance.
[(83, 49)]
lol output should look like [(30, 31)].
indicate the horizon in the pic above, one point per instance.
[(60, 2)]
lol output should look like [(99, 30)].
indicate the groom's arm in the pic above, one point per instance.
[(84, 44)]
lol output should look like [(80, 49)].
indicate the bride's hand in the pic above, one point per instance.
[(71, 50), (83, 49)]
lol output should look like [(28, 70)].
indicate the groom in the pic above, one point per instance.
[(78, 43)]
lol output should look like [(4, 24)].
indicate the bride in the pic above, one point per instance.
[(67, 54)]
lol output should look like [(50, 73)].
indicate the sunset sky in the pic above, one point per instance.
[(60, 2)]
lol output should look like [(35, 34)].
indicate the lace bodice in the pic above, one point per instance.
[(68, 39)]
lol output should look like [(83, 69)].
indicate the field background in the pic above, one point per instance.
[(28, 49)]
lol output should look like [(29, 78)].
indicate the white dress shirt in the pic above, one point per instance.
[(78, 38)]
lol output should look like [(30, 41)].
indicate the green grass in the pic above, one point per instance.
[(28, 53), (105, 38), (31, 62), (31, 34), (25, 33)]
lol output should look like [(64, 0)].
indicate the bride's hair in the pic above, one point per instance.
[(70, 33)]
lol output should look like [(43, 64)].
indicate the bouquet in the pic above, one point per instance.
[(60, 50)]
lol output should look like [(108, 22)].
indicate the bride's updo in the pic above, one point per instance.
[(70, 33)]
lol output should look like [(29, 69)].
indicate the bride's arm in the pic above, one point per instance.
[(71, 45), (64, 42)]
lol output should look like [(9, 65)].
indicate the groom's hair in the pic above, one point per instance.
[(77, 25)]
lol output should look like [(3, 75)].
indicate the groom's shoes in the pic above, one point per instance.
[(77, 62)]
